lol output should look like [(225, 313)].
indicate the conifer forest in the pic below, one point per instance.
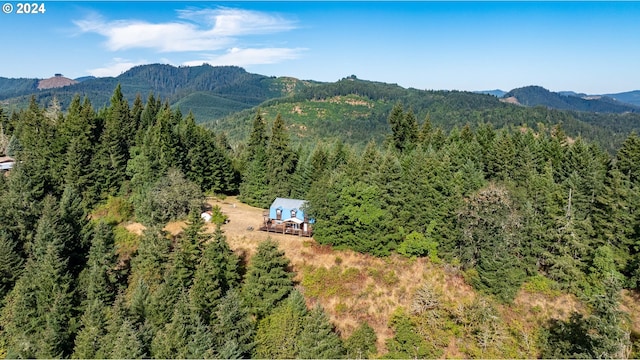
[(510, 209)]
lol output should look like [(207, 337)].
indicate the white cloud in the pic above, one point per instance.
[(199, 30), (116, 67), (234, 22), (244, 57), (166, 37)]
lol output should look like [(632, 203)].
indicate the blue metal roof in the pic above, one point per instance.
[(288, 203)]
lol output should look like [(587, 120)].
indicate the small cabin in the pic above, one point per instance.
[(288, 217), (6, 163)]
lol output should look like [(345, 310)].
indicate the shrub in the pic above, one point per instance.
[(217, 217), (114, 211), (424, 299), (323, 283), (362, 343), (417, 244), (125, 242), (171, 198), (541, 284)]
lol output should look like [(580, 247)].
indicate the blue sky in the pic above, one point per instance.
[(591, 47)]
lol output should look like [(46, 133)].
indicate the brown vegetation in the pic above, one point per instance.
[(354, 288), (55, 82)]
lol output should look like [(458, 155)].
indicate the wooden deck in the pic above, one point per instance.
[(281, 229)]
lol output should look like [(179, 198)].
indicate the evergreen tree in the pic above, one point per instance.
[(268, 280), (136, 113), (302, 176), (74, 229), (98, 280), (163, 300), (186, 255), (583, 171), (370, 162), (404, 128), (362, 343), (609, 334), (208, 165), (11, 264), (122, 338), (604, 267), (115, 142), (490, 242), (612, 217), (318, 339), (152, 257), (253, 189), (173, 340), (407, 343), (92, 330), (77, 134), (356, 220), (281, 160), (40, 307), (144, 168), (501, 160), (216, 273), (126, 343), (233, 329), (200, 345), (258, 139), (426, 130), (485, 135), (629, 157), (394, 192), (20, 319), (139, 303), (338, 156), (148, 115), (603, 334), (20, 209), (278, 334)]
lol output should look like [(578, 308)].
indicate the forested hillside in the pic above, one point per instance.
[(539, 96), (16, 87), (355, 111), (510, 204), (226, 89), (630, 97), (351, 110)]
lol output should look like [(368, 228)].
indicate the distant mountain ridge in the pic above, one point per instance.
[(227, 88), (539, 96), (212, 92), (629, 97), (225, 98)]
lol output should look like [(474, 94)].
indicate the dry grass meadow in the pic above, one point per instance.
[(354, 288)]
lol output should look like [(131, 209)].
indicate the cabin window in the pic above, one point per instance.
[(293, 213), (278, 214)]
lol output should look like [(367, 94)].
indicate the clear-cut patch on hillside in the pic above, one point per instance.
[(57, 81)]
